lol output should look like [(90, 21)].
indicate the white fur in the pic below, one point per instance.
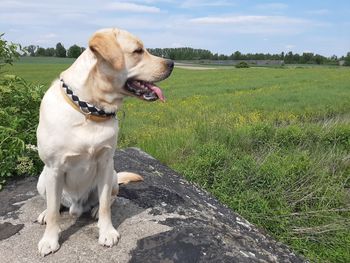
[(78, 153)]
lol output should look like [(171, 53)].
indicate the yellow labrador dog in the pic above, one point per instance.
[(77, 130)]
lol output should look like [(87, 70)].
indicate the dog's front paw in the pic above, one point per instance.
[(109, 237), (42, 218), (48, 245)]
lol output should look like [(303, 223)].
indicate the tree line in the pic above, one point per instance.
[(187, 53), (288, 58), (60, 51)]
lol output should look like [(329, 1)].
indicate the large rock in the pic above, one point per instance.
[(163, 219)]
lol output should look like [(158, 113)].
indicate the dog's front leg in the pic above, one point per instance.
[(54, 183), (108, 235)]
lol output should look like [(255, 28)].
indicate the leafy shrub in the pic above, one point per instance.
[(19, 104), (8, 52), (242, 64)]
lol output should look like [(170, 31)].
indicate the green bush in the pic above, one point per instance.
[(8, 52), (242, 64), (19, 104)]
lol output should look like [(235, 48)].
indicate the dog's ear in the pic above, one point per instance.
[(106, 47)]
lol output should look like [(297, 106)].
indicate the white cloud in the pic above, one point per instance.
[(129, 23), (205, 3), (19, 18), (38, 6), (289, 47), (46, 38), (15, 30), (154, 1), (248, 19), (74, 15), (18, 4), (166, 23), (176, 44), (255, 24), (49, 35), (318, 12), (272, 6), (132, 7)]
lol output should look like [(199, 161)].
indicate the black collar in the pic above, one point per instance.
[(85, 107)]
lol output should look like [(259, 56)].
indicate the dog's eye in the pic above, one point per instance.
[(138, 51)]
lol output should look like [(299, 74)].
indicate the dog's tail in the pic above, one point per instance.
[(127, 177), (124, 178)]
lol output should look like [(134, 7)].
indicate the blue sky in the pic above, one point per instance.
[(221, 26)]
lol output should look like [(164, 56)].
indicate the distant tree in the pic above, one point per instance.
[(347, 59), (282, 56), (186, 53), (31, 49), (307, 57), (8, 52), (40, 52), (74, 51), (334, 58), (288, 58), (297, 59), (60, 51), (237, 55), (222, 57), (50, 52), (319, 59), (182, 53)]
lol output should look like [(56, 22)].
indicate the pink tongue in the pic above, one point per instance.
[(158, 91)]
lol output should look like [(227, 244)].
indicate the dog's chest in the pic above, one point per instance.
[(90, 147), (82, 171), (89, 151), (92, 136)]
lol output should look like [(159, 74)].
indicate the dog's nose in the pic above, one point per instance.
[(170, 64)]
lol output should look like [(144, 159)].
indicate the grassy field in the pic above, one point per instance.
[(271, 143), (40, 70)]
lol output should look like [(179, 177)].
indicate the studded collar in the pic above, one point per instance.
[(89, 110)]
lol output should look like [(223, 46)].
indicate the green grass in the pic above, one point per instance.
[(40, 70), (273, 144), (45, 60)]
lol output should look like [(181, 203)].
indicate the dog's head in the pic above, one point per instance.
[(124, 61)]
